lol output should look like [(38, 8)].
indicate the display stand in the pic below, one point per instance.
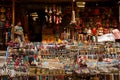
[(63, 62)]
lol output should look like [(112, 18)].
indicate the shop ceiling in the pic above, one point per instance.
[(60, 1), (41, 3), (54, 1)]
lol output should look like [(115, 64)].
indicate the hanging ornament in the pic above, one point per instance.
[(46, 9), (50, 19), (57, 12), (57, 20), (73, 17), (60, 10), (54, 8), (46, 18), (60, 19), (50, 10)]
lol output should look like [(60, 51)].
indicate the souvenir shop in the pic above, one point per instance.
[(64, 40)]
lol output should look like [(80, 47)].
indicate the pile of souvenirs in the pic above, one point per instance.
[(35, 58)]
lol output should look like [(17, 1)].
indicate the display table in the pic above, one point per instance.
[(63, 61)]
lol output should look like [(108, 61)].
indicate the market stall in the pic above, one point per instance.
[(63, 61)]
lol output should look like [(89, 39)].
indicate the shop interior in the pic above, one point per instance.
[(35, 18), (63, 40)]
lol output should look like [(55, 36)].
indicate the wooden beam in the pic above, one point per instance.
[(43, 1), (95, 0), (13, 19)]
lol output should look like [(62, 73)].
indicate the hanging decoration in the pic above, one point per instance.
[(54, 14), (73, 13)]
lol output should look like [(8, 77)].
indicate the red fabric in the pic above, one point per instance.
[(94, 31)]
